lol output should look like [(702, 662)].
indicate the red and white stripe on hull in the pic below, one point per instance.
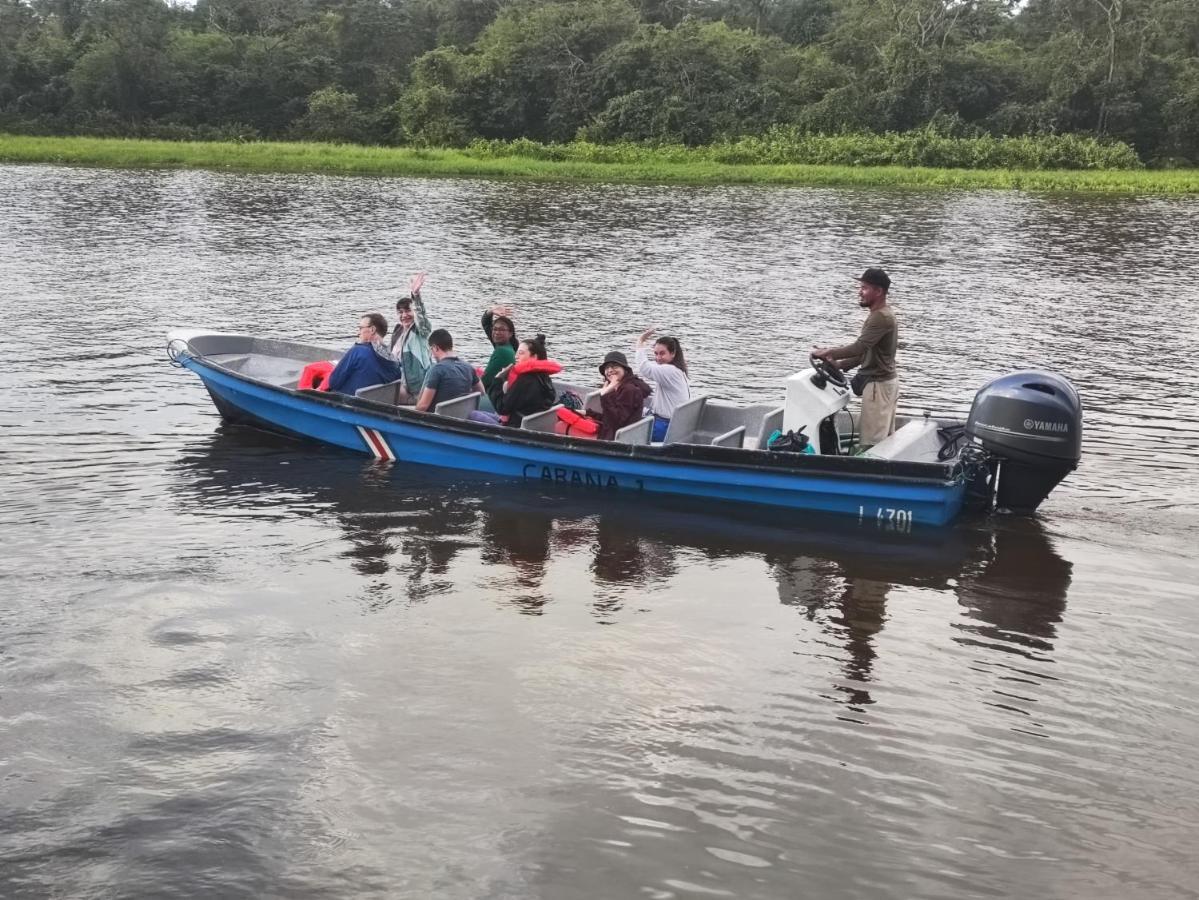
[(377, 444)]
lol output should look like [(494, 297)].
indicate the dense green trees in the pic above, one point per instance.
[(444, 72)]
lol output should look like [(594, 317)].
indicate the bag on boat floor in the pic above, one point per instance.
[(315, 376), (791, 442), (571, 401), (570, 422)]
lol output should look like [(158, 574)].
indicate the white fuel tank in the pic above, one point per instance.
[(810, 400)]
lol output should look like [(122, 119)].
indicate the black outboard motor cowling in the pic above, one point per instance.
[(1031, 422)]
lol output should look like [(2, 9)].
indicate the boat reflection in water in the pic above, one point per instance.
[(1007, 578)]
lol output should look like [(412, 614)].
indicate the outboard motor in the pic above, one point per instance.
[(1030, 423)]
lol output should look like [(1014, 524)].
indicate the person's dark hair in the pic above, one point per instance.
[(441, 340), (536, 346), (634, 378), (511, 325), (404, 303), (672, 345), (377, 322)]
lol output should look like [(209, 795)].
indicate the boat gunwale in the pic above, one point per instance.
[(689, 455)]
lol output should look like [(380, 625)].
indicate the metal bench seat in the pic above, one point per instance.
[(459, 407)]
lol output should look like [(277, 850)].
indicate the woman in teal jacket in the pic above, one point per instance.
[(410, 342)]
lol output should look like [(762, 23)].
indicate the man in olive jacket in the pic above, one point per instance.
[(874, 351)]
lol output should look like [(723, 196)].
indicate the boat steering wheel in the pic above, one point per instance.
[(828, 372)]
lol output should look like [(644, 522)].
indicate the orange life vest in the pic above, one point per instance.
[(570, 422), (315, 376), (548, 366)]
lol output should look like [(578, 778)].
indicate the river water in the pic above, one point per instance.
[(235, 666)]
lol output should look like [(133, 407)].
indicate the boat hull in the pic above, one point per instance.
[(886, 494)]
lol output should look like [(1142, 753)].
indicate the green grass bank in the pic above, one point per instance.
[(525, 160)]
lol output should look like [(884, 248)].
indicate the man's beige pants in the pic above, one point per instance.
[(878, 411)]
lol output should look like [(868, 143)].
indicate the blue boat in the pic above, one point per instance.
[(924, 474)]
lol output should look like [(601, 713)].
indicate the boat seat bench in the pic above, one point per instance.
[(382, 393), (772, 421), (637, 433), (734, 437), (543, 421), (702, 420), (459, 407)]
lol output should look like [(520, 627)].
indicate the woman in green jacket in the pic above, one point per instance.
[(498, 327)]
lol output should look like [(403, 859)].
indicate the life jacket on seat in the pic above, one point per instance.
[(570, 422), (315, 376)]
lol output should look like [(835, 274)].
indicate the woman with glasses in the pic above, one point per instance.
[(501, 332)]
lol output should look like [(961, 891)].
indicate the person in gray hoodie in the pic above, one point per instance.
[(667, 372)]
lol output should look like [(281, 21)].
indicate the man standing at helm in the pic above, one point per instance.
[(874, 351)]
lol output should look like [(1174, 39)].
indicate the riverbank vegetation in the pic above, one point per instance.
[(581, 162), (667, 73), (790, 146)]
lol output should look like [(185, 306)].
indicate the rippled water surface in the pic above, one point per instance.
[(235, 666)]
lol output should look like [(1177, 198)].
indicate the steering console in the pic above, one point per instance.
[(826, 372)]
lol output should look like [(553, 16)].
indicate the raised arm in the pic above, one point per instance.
[(643, 365), (489, 316), (422, 326)]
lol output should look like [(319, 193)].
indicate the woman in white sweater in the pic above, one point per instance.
[(667, 372)]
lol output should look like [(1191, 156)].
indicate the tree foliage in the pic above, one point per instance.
[(447, 72)]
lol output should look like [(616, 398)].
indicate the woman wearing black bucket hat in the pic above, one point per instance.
[(623, 396)]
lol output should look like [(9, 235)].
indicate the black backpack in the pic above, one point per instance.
[(791, 442), (571, 400)]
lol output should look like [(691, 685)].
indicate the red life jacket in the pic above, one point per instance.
[(570, 422), (315, 376), (547, 366)]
